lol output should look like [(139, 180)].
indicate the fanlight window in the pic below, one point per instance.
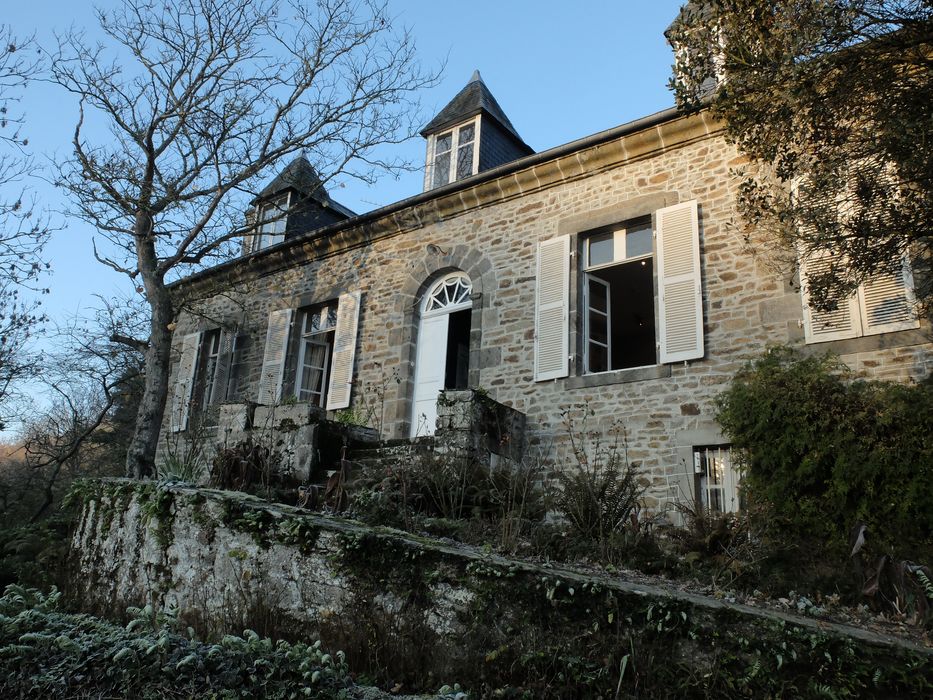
[(452, 290)]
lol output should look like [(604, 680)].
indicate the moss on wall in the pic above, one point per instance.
[(422, 612)]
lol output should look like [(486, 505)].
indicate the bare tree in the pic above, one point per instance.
[(89, 379), (23, 232), (201, 98)]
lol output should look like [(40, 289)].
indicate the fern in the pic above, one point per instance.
[(925, 582)]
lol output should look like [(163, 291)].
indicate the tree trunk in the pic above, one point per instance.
[(140, 458)]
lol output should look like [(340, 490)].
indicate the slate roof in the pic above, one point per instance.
[(299, 175), (470, 101)]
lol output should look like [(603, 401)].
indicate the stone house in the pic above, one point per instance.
[(607, 273)]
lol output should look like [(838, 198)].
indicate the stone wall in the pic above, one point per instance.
[(410, 607), (490, 230)]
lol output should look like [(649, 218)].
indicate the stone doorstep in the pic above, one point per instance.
[(617, 583)]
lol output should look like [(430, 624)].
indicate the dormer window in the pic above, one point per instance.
[(271, 222), (455, 155)]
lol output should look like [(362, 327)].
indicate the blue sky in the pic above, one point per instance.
[(560, 71)]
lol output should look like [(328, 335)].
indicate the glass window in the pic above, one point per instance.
[(718, 480), (315, 347), (601, 249), (454, 155), (465, 139), (272, 220), (638, 241), (619, 304), (207, 368), (442, 147)]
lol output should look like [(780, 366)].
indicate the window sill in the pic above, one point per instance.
[(869, 343), (619, 376)]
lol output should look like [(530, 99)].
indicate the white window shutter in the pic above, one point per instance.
[(552, 302), (680, 287), (341, 372), (887, 302), (819, 326), (184, 381), (222, 370), (273, 359)]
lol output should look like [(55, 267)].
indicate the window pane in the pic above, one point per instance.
[(599, 296), (311, 378), (715, 500), (443, 143), (464, 161), (598, 358), (638, 241), (442, 169), (466, 133), (599, 329), (600, 249)]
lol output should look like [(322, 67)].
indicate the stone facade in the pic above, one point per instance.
[(489, 226)]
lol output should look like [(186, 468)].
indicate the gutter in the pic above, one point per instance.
[(532, 160)]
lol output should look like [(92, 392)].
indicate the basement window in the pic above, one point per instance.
[(717, 480)]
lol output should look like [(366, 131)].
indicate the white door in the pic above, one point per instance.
[(449, 294), (430, 366)]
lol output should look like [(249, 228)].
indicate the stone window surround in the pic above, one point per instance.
[(871, 343), (579, 228), (434, 265)]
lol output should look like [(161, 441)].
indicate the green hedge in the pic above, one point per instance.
[(825, 450)]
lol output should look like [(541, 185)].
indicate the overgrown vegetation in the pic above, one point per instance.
[(825, 450), (48, 653), (414, 615), (453, 495), (600, 491)]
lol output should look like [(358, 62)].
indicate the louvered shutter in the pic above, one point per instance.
[(341, 369), (680, 288), (552, 302), (273, 359), (819, 326), (184, 381), (222, 370), (887, 302)]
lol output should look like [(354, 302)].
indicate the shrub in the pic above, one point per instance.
[(600, 491), (825, 450), (239, 467)]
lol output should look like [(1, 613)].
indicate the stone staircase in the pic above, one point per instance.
[(387, 452)]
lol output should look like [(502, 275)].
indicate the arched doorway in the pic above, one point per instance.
[(442, 359)]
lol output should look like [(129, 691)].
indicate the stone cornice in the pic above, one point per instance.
[(629, 143)]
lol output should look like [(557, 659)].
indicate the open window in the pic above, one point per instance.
[(309, 353), (205, 373), (640, 292), (618, 298)]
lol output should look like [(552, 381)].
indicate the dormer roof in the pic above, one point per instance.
[(301, 177), (470, 101)]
